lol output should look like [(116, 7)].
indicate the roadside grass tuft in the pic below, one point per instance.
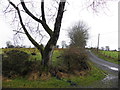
[(95, 74)]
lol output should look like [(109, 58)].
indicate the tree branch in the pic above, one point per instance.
[(54, 38), (18, 32), (25, 30), (43, 11), (59, 16), (45, 26)]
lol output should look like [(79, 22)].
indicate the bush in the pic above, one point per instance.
[(34, 65), (14, 63), (74, 59)]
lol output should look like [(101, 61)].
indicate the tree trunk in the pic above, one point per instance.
[(48, 51), (49, 48), (47, 57)]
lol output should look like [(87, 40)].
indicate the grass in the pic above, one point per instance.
[(24, 83), (56, 53), (111, 56), (55, 58), (28, 50)]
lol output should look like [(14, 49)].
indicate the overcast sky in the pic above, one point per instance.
[(105, 22)]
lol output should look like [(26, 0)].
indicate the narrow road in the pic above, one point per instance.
[(111, 80)]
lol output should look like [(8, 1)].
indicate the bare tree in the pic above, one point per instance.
[(47, 51), (78, 35), (97, 5), (9, 44)]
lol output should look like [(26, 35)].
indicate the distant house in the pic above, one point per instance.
[(107, 48)]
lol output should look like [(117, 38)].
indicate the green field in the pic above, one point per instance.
[(111, 56), (93, 75), (33, 50)]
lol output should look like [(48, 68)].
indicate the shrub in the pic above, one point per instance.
[(34, 65), (14, 63), (17, 55), (74, 59)]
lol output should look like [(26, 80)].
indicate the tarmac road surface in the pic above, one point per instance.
[(111, 80)]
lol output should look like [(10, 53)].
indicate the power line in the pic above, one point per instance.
[(104, 33)]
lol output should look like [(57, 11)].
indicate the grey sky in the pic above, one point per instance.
[(105, 22)]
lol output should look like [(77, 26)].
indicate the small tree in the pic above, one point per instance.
[(57, 46), (102, 48), (78, 35), (9, 44)]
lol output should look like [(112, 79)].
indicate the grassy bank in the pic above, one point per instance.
[(95, 74), (24, 83)]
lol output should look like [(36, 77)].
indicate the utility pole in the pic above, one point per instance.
[(98, 42), (91, 44)]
